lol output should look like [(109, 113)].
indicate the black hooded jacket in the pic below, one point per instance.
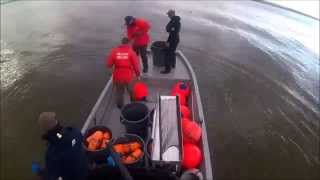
[(65, 156), (173, 28)]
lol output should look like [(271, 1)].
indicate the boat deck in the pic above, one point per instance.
[(106, 113), (158, 84), (178, 73)]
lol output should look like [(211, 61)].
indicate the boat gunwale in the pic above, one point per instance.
[(96, 106), (208, 167)]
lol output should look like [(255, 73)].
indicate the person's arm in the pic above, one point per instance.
[(110, 60), (143, 27)]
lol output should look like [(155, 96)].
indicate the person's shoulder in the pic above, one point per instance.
[(73, 131), (142, 21), (176, 18)]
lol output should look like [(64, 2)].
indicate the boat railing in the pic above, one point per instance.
[(207, 159), (92, 116)]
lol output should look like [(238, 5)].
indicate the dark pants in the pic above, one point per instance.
[(142, 51), (170, 60), (120, 88)]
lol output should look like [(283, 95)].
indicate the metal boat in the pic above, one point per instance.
[(106, 113)]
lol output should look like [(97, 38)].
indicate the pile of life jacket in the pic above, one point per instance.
[(130, 152), (98, 140), (191, 130), (182, 90)]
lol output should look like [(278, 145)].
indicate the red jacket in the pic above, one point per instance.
[(138, 32), (125, 63)]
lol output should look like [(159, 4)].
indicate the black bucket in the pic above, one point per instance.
[(135, 117), (127, 138), (97, 156), (158, 49)]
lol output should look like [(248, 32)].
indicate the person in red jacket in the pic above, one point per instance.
[(125, 64), (137, 32)]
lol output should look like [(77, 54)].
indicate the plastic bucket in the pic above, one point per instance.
[(97, 156), (135, 117), (158, 53), (127, 138)]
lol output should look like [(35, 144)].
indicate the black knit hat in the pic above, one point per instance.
[(129, 20)]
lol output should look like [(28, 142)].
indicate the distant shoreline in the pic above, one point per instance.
[(286, 8)]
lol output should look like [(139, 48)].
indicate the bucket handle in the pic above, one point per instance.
[(148, 115)]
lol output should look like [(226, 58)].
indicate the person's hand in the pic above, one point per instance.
[(35, 167), (110, 162)]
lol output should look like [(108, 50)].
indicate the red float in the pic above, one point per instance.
[(191, 131), (192, 156), (185, 111), (182, 88), (182, 98)]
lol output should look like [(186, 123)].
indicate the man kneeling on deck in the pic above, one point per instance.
[(126, 68), (65, 156)]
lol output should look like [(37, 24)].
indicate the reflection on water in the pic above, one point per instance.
[(10, 70), (257, 66)]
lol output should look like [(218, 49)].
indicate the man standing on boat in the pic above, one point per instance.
[(65, 156), (173, 28), (126, 68), (137, 32)]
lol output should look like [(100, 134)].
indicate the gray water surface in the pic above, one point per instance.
[(257, 66)]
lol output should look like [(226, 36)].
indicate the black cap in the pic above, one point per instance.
[(129, 20)]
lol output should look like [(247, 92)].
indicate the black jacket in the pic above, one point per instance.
[(65, 155), (173, 28)]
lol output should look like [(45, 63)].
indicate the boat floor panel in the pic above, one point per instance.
[(111, 117), (180, 72)]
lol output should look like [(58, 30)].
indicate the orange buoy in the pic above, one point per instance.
[(192, 156), (140, 91), (185, 111), (182, 88), (191, 131)]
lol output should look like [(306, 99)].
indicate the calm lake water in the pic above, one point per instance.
[(257, 66)]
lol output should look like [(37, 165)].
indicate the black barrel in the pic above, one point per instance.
[(158, 53), (97, 156), (127, 138), (135, 117)]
